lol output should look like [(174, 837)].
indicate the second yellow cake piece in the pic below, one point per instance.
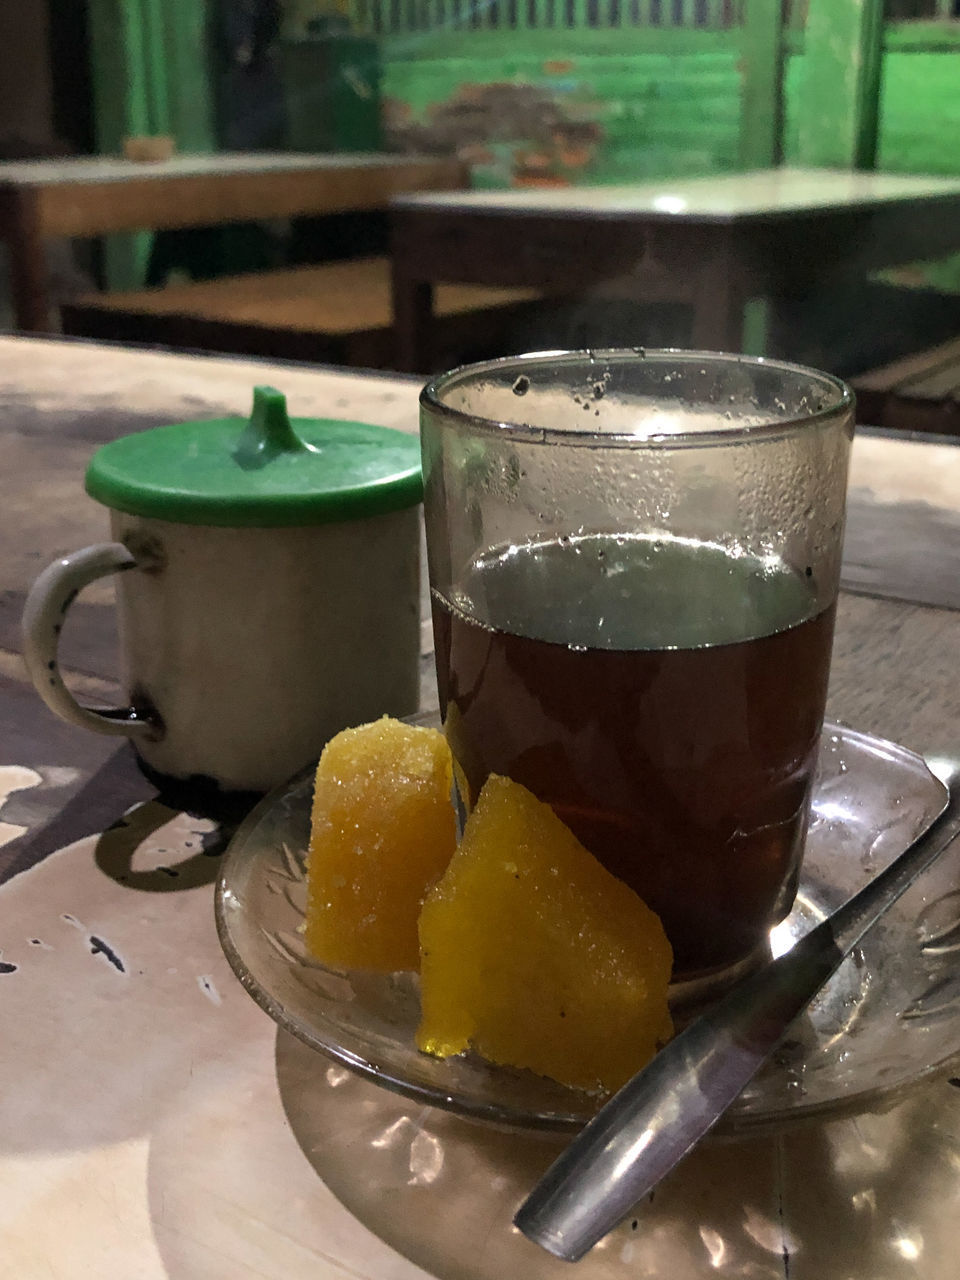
[(534, 955)]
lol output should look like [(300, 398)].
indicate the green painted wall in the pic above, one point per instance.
[(587, 114), (837, 84), (919, 126), (661, 102), (793, 70), (920, 112), (919, 122)]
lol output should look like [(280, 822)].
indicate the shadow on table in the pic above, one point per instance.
[(867, 1197), (114, 786), (119, 802), (118, 845)]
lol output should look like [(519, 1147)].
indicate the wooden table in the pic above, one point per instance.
[(334, 312), (713, 242), (91, 197), (918, 393), (153, 1123)]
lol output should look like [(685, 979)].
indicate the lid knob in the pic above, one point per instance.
[(265, 471), (268, 431)]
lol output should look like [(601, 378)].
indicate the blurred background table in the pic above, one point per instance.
[(716, 243), (153, 1123), (86, 197)]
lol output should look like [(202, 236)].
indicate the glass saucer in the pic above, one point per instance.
[(886, 1019)]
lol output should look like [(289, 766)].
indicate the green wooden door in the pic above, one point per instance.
[(151, 75)]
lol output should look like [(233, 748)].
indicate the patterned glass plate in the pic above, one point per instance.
[(888, 1017)]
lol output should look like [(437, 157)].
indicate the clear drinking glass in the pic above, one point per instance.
[(634, 561)]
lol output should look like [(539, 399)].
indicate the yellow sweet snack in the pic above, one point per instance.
[(536, 956), (382, 831)]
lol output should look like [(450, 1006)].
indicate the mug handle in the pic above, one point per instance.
[(47, 603)]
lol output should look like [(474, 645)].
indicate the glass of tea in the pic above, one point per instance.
[(634, 561)]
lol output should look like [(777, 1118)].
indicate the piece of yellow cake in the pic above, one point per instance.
[(382, 831), (534, 955)]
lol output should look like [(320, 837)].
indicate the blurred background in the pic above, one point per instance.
[(528, 93)]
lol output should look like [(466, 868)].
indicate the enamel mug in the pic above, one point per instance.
[(267, 592)]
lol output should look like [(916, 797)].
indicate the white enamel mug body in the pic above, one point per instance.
[(243, 650)]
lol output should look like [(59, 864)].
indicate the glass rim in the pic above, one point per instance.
[(728, 434)]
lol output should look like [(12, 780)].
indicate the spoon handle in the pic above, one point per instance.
[(659, 1115)]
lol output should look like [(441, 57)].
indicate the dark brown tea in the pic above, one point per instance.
[(665, 697)]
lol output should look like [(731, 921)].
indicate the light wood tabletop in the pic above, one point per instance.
[(762, 193), (84, 197)]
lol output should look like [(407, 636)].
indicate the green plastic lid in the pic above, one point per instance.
[(266, 471)]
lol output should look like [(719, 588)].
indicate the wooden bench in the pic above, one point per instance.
[(335, 313), (919, 393)]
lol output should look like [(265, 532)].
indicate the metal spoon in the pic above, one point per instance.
[(659, 1115)]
